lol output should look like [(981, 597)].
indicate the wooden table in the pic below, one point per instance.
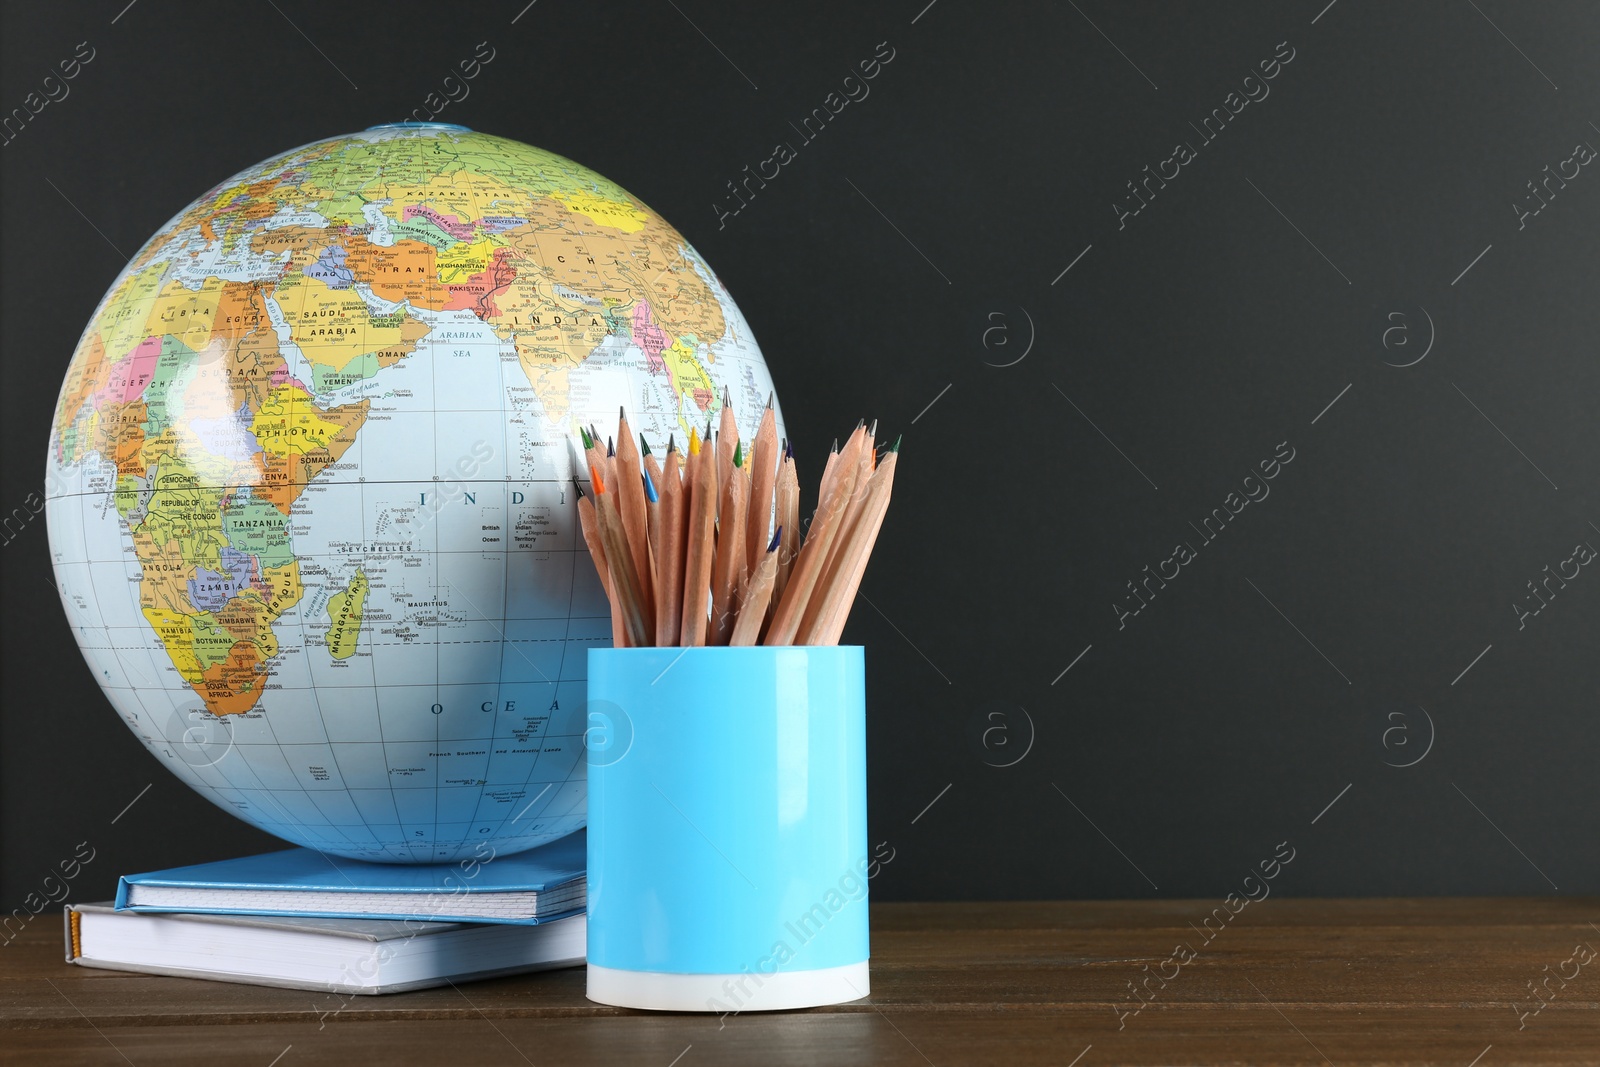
[(1413, 981)]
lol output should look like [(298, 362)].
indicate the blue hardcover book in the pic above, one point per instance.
[(526, 888)]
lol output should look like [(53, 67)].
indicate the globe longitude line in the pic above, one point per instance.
[(270, 795), (142, 643), (375, 838), (502, 487), (316, 698), (369, 537), (136, 612), (305, 637), (506, 642), (507, 532), (433, 374)]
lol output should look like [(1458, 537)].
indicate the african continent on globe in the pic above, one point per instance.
[(309, 482)]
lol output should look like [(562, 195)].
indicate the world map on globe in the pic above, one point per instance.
[(309, 485)]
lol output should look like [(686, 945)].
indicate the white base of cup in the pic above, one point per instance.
[(657, 991)]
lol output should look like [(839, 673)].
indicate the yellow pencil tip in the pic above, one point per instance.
[(694, 441)]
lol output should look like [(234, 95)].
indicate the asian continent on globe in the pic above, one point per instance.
[(309, 489)]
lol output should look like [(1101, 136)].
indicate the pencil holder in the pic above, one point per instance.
[(728, 858)]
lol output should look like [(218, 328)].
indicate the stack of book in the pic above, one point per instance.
[(304, 920)]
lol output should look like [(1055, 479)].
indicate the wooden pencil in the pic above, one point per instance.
[(788, 519), (753, 611), (830, 473), (652, 510), (699, 544), (851, 485), (763, 476), (652, 466), (630, 502), (814, 553), (728, 576), (619, 563), (826, 624), (590, 525), (669, 561), (690, 561), (595, 457), (727, 440)]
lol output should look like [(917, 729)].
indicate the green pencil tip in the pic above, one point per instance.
[(896, 447), (738, 454)]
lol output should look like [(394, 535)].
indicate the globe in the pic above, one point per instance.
[(309, 486)]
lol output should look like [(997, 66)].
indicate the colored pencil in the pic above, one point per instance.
[(589, 522), (700, 543), (690, 553)]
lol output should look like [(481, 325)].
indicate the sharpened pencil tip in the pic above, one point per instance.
[(738, 454), (578, 486), (644, 446), (596, 480), (727, 397), (769, 400), (896, 447), (649, 487), (621, 413), (611, 448), (872, 431), (776, 537), (835, 445), (672, 444), (861, 424)]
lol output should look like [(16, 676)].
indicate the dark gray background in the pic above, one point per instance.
[(1253, 691)]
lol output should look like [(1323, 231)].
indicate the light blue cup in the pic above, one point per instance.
[(728, 857)]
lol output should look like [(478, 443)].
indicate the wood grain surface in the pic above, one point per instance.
[(1397, 981)]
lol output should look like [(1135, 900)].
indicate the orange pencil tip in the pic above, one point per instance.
[(594, 476)]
